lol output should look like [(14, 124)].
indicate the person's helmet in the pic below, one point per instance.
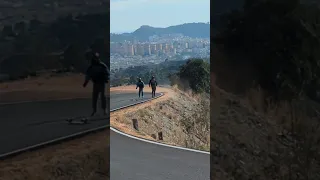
[(96, 54), (152, 76), (95, 58), (139, 79)]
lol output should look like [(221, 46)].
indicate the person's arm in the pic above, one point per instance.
[(107, 73), (87, 78), (156, 83), (137, 85)]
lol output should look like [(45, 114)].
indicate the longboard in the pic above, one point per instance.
[(77, 120)]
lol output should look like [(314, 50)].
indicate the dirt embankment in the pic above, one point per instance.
[(254, 140), (182, 118), (84, 158)]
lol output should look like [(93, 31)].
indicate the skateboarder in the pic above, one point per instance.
[(153, 83), (140, 85), (98, 73)]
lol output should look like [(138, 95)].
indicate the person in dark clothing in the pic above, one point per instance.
[(140, 85), (153, 84), (98, 73)]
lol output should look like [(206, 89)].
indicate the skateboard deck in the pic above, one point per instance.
[(77, 120)]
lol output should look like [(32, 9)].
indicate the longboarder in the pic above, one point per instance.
[(140, 85), (153, 84), (98, 73)]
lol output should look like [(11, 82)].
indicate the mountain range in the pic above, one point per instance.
[(193, 30)]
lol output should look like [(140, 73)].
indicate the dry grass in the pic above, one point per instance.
[(252, 138), (45, 88), (87, 158)]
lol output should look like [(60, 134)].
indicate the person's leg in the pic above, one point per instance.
[(95, 94), (103, 98), (142, 92), (153, 91), (139, 92)]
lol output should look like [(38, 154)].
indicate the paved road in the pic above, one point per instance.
[(27, 124)]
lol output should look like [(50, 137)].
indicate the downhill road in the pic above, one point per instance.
[(31, 123), (134, 159)]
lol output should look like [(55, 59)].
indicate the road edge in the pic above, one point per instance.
[(150, 141), (52, 142)]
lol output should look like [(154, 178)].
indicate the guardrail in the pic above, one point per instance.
[(140, 102)]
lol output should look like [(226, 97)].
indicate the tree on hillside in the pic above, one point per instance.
[(195, 74), (281, 40)]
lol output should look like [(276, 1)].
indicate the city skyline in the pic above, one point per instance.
[(129, 15)]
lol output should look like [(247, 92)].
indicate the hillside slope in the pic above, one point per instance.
[(247, 143), (182, 118)]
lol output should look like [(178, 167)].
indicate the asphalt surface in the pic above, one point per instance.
[(136, 160), (28, 124)]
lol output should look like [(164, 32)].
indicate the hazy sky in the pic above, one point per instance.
[(129, 15)]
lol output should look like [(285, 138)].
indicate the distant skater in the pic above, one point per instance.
[(140, 85), (98, 73), (153, 84)]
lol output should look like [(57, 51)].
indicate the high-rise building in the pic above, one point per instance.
[(159, 47), (140, 50), (153, 49), (174, 50), (128, 50), (147, 49)]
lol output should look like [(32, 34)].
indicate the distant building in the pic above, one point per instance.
[(140, 49), (159, 47), (128, 50), (147, 49), (153, 48)]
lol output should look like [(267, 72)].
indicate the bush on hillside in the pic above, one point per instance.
[(195, 74), (281, 41)]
